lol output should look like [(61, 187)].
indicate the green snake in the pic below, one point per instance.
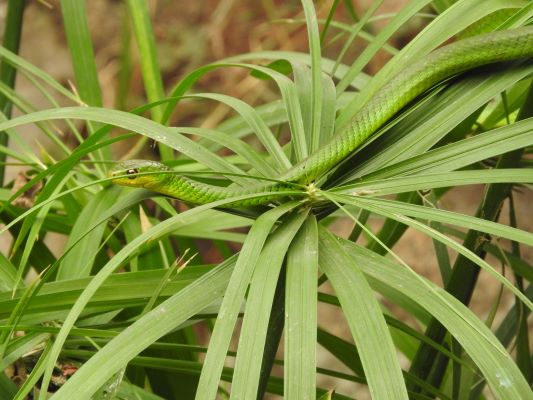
[(410, 83)]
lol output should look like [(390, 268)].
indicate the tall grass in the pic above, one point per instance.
[(129, 301)]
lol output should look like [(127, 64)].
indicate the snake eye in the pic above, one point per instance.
[(132, 172)]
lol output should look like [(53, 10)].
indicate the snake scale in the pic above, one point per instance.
[(408, 84)]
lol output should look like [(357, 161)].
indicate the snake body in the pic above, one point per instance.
[(410, 83)]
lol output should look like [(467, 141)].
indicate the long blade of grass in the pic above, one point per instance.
[(441, 238), (365, 319), (239, 147), (11, 41), (144, 35), (23, 345), (31, 226), (61, 295), (125, 72), (30, 69), (79, 262), (523, 360), (515, 98), (449, 217), (83, 61), (153, 233), (399, 20), (257, 312), (303, 77), (441, 5), (233, 299), (343, 350), (303, 80), (440, 117), (402, 184), (286, 86), (17, 142), (329, 108), (274, 385), (301, 315), (354, 32), (357, 82), (264, 134), (81, 49), (345, 28), (139, 335), (506, 333), (466, 269), (464, 152), (26, 107), (313, 36), (153, 83), (133, 123), (29, 294), (482, 346), (329, 18), (274, 331), (8, 274)]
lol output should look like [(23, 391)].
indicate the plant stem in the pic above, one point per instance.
[(8, 73)]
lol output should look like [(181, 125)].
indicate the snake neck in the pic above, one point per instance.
[(196, 192)]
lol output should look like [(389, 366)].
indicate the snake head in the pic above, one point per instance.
[(139, 173)]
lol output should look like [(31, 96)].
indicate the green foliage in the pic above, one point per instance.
[(115, 305)]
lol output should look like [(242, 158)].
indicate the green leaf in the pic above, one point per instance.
[(482, 346), (264, 134), (444, 239), (464, 152), (33, 224), (133, 123), (439, 116), (79, 261), (81, 51), (365, 319), (144, 35), (344, 351), (83, 59), (286, 86), (442, 5), (8, 274), (152, 234), (115, 292), (448, 217), (355, 69), (257, 312), (239, 147), (31, 70), (11, 40), (233, 299), (142, 333), (403, 184), (153, 83), (328, 65), (447, 24), (354, 32), (301, 314), (316, 74)]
